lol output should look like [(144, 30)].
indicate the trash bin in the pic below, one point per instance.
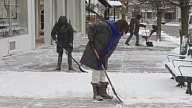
[(154, 27)]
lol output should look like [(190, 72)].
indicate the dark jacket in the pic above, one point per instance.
[(64, 32), (100, 33), (134, 25)]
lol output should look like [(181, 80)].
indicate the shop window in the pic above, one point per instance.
[(13, 18)]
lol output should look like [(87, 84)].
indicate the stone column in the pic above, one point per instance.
[(48, 25)]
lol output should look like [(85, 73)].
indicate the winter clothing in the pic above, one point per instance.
[(101, 60), (130, 36), (99, 33), (134, 29), (105, 37), (99, 91), (103, 92), (96, 89), (62, 33), (70, 63), (98, 76), (59, 63)]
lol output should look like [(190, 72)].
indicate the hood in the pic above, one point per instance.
[(62, 20)]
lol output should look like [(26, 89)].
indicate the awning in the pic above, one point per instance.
[(105, 3), (115, 3)]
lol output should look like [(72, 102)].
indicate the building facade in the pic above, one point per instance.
[(24, 21)]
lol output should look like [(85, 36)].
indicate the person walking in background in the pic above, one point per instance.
[(62, 33), (105, 37), (134, 29)]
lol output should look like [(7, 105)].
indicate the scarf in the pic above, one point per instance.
[(115, 34)]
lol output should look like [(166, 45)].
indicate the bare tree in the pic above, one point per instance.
[(184, 6), (159, 6)]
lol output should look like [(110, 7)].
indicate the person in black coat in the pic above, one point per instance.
[(134, 29), (62, 33)]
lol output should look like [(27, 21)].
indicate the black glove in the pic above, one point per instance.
[(71, 45), (144, 26), (57, 42), (101, 60), (91, 43)]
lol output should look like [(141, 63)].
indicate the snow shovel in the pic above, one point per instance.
[(80, 66), (147, 40), (94, 49)]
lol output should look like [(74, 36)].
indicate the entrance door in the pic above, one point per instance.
[(39, 11), (39, 22)]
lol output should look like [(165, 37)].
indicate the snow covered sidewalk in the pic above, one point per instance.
[(133, 88)]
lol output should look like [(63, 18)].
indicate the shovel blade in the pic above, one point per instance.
[(116, 95), (149, 43), (83, 69)]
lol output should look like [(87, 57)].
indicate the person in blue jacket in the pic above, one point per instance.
[(104, 36)]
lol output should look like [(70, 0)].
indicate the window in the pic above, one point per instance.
[(190, 19), (13, 18)]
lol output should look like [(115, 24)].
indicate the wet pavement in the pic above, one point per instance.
[(13, 102)]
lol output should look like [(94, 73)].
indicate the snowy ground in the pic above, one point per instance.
[(27, 80)]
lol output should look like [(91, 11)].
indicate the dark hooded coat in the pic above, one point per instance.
[(100, 33), (63, 32)]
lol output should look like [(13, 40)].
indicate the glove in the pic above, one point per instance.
[(71, 45), (101, 60), (57, 42), (144, 26), (91, 43)]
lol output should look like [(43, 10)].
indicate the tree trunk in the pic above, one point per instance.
[(159, 16), (184, 29), (123, 16)]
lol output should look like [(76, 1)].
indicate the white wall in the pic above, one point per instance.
[(83, 14), (48, 25), (71, 11), (60, 11), (27, 42), (23, 42)]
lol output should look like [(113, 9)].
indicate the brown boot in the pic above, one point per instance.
[(96, 88), (103, 92)]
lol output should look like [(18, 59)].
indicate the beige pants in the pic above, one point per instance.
[(98, 76)]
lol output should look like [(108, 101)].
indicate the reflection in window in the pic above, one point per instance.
[(13, 18), (190, 20)]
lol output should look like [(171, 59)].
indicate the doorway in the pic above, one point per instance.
[(39, 22)]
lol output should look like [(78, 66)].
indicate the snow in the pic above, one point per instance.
[(132, 88)]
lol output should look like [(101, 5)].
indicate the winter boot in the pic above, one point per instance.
[(59, 63), (126, 42), (96, 89), (103, 92), (70, 63)]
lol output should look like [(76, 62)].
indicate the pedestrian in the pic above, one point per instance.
[(105, 37), (134, 29), (62, 33)]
